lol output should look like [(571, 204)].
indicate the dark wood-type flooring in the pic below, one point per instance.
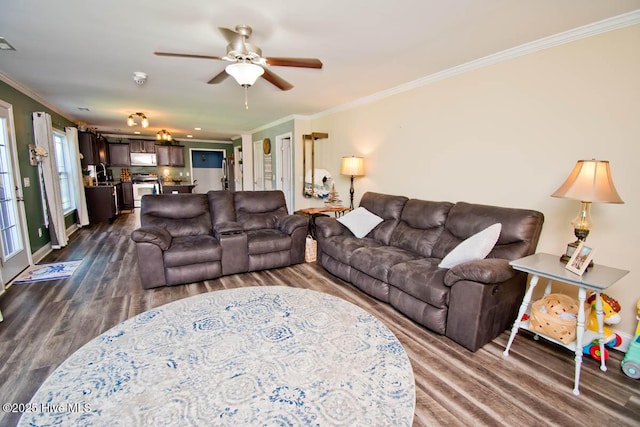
[(46, 322)]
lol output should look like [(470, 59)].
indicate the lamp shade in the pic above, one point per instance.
[(589, 181), (353, 166), (245, 73)]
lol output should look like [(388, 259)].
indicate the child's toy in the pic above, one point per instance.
[(631, 362), (611, 309)]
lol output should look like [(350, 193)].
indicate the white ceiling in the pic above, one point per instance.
[(77, 54)]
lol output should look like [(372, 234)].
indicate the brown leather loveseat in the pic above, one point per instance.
[(398, 262), (186, 238)]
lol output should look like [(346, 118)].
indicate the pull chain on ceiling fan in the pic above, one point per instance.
[(248, 62)]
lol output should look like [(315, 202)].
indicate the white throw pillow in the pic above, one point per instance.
[(360, 221), (474, 248)]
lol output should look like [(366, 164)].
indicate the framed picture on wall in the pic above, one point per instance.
[(580, 259)]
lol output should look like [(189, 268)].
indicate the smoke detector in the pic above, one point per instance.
[(140, 78)]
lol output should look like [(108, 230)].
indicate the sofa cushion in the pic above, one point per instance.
[(221, 207), (188, 250), (179, 214), (256, 210), (377, 261), (474, 248), (268, 240), (343, 247), (518, 237), (387, 207), (422, 279), (420, 225), (360, 221)]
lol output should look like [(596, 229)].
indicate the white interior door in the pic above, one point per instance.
[(258, 166), (284, 168), (13, 248), (206, 169)]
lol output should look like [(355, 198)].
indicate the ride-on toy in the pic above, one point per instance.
[(631, 363), (611, 309)]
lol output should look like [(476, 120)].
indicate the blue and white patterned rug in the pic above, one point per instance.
[(239, 357), (42, 272)]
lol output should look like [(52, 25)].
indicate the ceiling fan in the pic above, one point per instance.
[(248, 62)]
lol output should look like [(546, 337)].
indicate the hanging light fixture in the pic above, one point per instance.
[(163, 135), (131, 120), (246, 74)]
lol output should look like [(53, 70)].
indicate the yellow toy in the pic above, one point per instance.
[(611, 309)]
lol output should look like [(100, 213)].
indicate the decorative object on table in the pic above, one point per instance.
[(36, 154), (352, 166), (262, 355), (589, 181), (581, 259), (333, 200), (310, 249), (555, 316), (631, 363), (52, 271), (131, 120), (611, 309)]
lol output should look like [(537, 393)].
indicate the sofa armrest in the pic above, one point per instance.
[(290, 223), (226, 228), (488, 271), (329, 227), (151, 234)]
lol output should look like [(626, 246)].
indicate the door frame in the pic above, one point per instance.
[(15, 166), (280, 162), (192, 149)]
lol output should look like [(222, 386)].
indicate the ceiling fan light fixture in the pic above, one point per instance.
[(245, 73)]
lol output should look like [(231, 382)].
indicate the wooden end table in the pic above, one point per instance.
[(597, 278), (313, 213)]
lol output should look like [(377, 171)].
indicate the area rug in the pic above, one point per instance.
[(240, 357), (53, 271)]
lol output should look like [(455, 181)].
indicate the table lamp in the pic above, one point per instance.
[(589, 181), (353, 166)]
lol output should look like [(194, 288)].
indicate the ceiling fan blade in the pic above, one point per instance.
[(186, 55), (218, 78), (276, 80), (295, 62)]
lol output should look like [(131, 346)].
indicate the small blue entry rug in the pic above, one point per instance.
[(53, 271)]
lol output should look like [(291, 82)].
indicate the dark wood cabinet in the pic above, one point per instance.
[(101, 203), (93, 148), (170, 155), (119, 155), (172, 189), (126, 195), (142, 146)]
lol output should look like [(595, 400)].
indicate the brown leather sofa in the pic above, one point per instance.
[(186, 238), (397, 262)]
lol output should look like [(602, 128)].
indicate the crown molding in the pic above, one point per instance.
[(33, 95), (589, 30)]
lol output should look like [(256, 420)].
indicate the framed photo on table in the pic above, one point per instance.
[(580, 259)]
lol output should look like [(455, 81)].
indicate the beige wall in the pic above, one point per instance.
[(509, 134)]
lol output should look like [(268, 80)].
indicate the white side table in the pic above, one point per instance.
[(598, 278)]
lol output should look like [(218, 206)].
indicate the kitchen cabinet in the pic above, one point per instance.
[(119, 155), (142, 146), (93, 148), (170, 155), (101, 203), (172, 189), (125, 195)]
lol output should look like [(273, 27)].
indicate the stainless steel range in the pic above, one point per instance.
[(144, 183)]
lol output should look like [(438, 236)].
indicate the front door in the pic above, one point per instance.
[(14, 256)]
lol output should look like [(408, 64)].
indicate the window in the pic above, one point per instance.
[(63, 160)]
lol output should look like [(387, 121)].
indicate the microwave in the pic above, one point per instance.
[(143, 159)]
